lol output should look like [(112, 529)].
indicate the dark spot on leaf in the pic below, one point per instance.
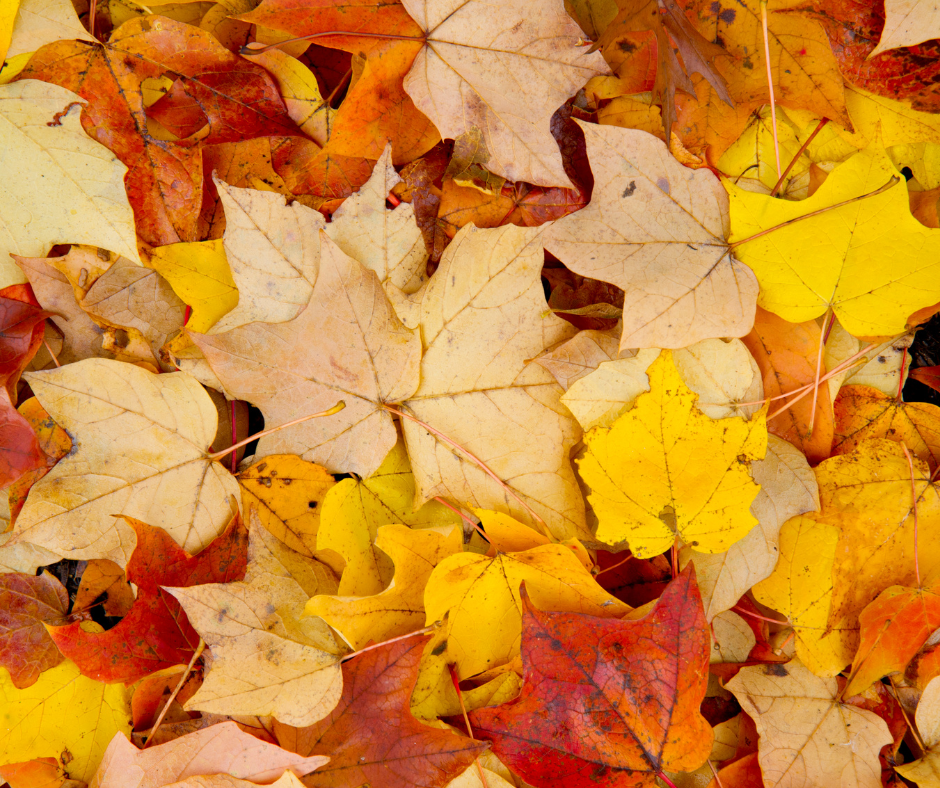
[(727, 15), (439, 649), (312, 504), (630, 189), (776, 670)]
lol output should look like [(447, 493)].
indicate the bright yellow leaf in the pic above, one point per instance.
[(8, 9), (287, 493), (399, 609), (355, 509), (200, 275), (664, 469), (480, 597), (836, 259), (62, 711), (800, 588)]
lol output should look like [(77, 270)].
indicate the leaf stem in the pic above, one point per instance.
[(891, 182), (820, 126), (51, 353), (153, 731), (742, 612), (462, 516), (255, 49), (387, 642), (901, 376), (666, 780), (910, 725), (474, 459), (331, 412), (715, 772), (466, 720), (770, 82), (615, 566)]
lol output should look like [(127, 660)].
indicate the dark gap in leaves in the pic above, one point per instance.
[(255, 424), (924, 352), (907, 172)]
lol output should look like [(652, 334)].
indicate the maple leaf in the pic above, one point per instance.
[(802, 278), (148, 435), (806, 734), (21, 333), (907, 22), (399, 609), (266, 659), (627, 691), (356, 508), (893, 628), (287, 492), (787, 354), (467, 68), (788, 488), (371, 735), (704, 490), (668, 22), (27, 602), (347, 344), (154, 634), (51, 163), (657, 230), (32, 718), (483, 593), (230, 96), (863, 413), (222, 748), (926, 770)]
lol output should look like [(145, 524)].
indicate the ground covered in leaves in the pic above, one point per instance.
[(469, 395)]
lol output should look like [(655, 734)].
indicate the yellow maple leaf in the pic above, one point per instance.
[(664, 469), (398, 609), (63, 711), (835, 259)]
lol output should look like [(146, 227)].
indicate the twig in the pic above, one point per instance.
[(466, 719), (770, 81), (254, 48), (331, 412), (463, 517), (153, 731), (390, 640), (799, 153)]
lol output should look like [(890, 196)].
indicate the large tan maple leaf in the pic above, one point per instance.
[(346, 345)]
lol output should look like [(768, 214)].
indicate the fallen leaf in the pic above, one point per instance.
[(482, 594), (232, 98), (19, 450), (926, 771), (355, 509), (787, 354), (199, 274), (39, 22), (607, 702), (705, 488), (22, 326), (147, 434), (287, 493), (806, 735), (105, 579), (346, 345), (371, 735), (788, 488), (862, 413), (51, 163), (32, 718), (222, 748), (155, 634), (650, 215), (399, 609), (907, 22), (801, 280), (893, 628), (264, 660), (27, 603), (477, 388)]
